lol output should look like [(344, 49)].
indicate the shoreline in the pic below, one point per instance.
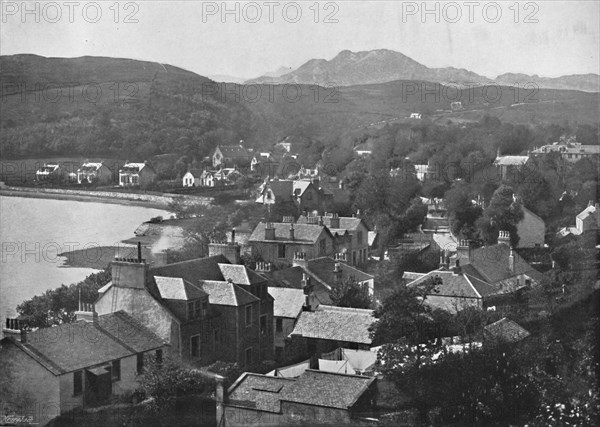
[(128, 199)]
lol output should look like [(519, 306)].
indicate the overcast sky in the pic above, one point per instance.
[(199, 37)]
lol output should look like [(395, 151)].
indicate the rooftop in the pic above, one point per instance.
[(303, 233), (336, 324), (287, 302), (227, 293), (115, 335), (506, 330), (176, 288)]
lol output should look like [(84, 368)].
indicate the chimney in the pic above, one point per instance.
[(337, 271), (262, 266), (231, 251), (86, 313), (139, 251), (233, 236), (456, 270), (129, 272), (445, 260), (464, 251), (334, 221), (291, 231), (269, 231), (310, 300), (511, 261), (341, 185), (14, 328), (504, 238), (320, 220), (340, 256), (300, 260)]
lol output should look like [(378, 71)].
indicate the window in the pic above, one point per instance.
[(134, 179), (248, 315), (280, 251), (116, 370), (195, 346), (263, 325), (322, 246), (77, 383), (279, 325), (140, 363), (249, 356)]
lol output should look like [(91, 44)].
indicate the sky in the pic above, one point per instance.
[(247, 39)]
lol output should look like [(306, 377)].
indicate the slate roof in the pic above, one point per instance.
[(196, 173), (590, 210), (299, 187), (194, 270), (292, 277), (78, 345), (234, 151), (372, 235), (453, 285), (135, 167), (282, 188), (226, 293), (322, 269), (240, 275), (335, 323), (506, 330), (175, 288), (303, 233), (346, 222), (491, 264), (287, 302), (259, 392), (326, 389)]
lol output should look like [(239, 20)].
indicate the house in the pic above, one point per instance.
[(193, 178), (207, 179), (415, 116), (207, 309), (228, 156), (275, 191), (413, 247), (49, 172), (351, 234), (456, 106), (569, 149), (51, 371), (364, 149), (323, 328), (588, 219), (287, 306), (281, 242), (509, 167), (489, 277), (313, 398), (94, 172), (531, 230), (505, 330), (136, 174), (421, 171)]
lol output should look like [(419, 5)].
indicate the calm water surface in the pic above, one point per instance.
[(33, 231)]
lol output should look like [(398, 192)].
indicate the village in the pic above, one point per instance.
[(310, 309)]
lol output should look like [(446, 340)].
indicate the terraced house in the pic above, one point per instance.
[(207, 309)]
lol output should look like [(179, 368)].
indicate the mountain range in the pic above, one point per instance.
[(383, 65)]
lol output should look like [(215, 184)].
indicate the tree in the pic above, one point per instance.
[(350, 293), (503, 213), (58, 305), (404, 314), (164, 381), (462, 211)]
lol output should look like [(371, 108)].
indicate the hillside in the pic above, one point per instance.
[(382, 65), (127, 109)]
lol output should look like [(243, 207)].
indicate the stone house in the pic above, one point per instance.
[(489, 277), (51, 371), (94, 172), (229, 156), (351, 234), (207, 309), (314, 398), (281, 242), (137, 175)]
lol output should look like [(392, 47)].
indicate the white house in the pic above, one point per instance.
[(193, 178), (136, 174), (49, 171), (415, 116), (94, 172)]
